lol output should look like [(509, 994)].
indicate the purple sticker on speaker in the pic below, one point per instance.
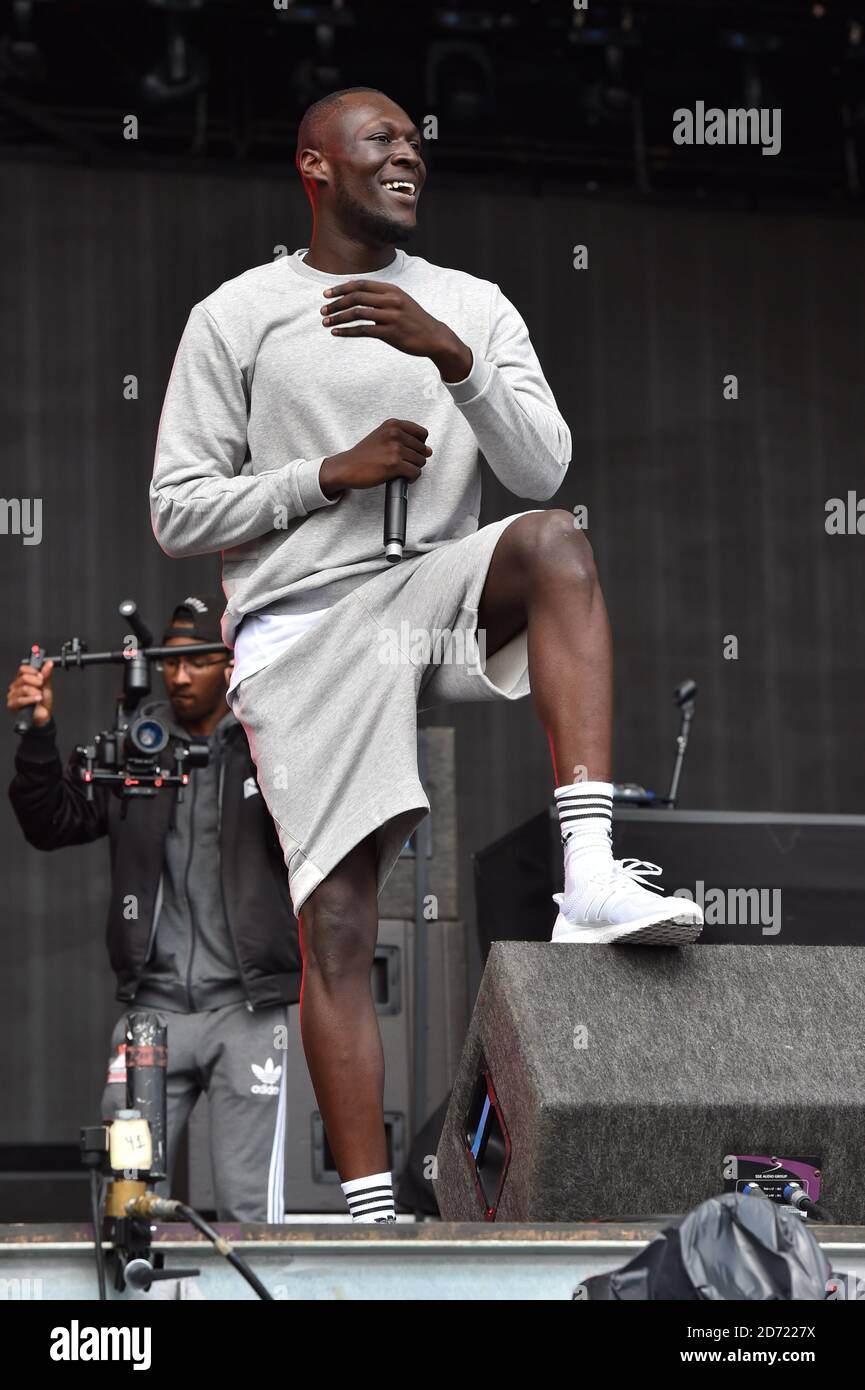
[(771, 1173)]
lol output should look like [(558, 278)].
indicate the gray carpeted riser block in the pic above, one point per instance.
[(693, 1053)]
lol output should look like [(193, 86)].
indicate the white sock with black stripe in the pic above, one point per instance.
[(586, 822), (370, 1199)]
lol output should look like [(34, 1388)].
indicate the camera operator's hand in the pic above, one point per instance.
[(30, 686), (394, 449)]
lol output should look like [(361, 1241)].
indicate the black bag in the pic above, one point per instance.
[(732, 1246)]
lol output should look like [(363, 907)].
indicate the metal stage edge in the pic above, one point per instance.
[(461, 1261)]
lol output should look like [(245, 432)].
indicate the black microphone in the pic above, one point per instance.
[(685, 692), (395, 512)]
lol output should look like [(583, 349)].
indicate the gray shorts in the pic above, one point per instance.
[(332, 721)]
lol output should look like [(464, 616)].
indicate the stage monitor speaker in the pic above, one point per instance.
[(632, 1082), (760, 877)]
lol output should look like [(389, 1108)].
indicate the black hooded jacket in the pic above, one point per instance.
[(200, 913)]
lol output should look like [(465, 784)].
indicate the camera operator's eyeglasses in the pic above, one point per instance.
[(192, 663)]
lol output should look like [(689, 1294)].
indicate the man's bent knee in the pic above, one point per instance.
[(553, 545)]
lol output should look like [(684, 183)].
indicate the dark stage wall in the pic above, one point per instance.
[(707, 516)]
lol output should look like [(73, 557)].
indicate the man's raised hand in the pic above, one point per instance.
[(398, 320), (32, 687)]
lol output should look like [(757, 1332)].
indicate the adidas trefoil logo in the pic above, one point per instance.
[(268, 1075)]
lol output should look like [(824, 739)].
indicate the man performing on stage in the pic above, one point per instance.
[(299, 389)]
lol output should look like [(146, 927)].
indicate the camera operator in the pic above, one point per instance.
[(210, 941)]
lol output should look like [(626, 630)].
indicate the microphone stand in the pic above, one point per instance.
[(686, 699)]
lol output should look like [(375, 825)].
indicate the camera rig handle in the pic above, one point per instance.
[(126, 757)]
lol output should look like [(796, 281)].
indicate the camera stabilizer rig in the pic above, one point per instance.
[(131, 757)]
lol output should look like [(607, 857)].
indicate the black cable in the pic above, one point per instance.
[(795, 1197), (811, 1209), (225, 1249), (96, 1218), (168, 1208)]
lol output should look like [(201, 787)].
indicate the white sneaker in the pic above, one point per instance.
[(617, 906)]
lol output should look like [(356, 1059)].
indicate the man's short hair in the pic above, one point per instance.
[(316, 118)]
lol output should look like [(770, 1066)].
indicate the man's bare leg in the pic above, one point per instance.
[(542, 575), (338, 1023), (541, 572)]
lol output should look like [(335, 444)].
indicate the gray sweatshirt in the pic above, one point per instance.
[(260, 394)]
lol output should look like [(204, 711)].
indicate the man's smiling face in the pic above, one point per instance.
[(376, 172)]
